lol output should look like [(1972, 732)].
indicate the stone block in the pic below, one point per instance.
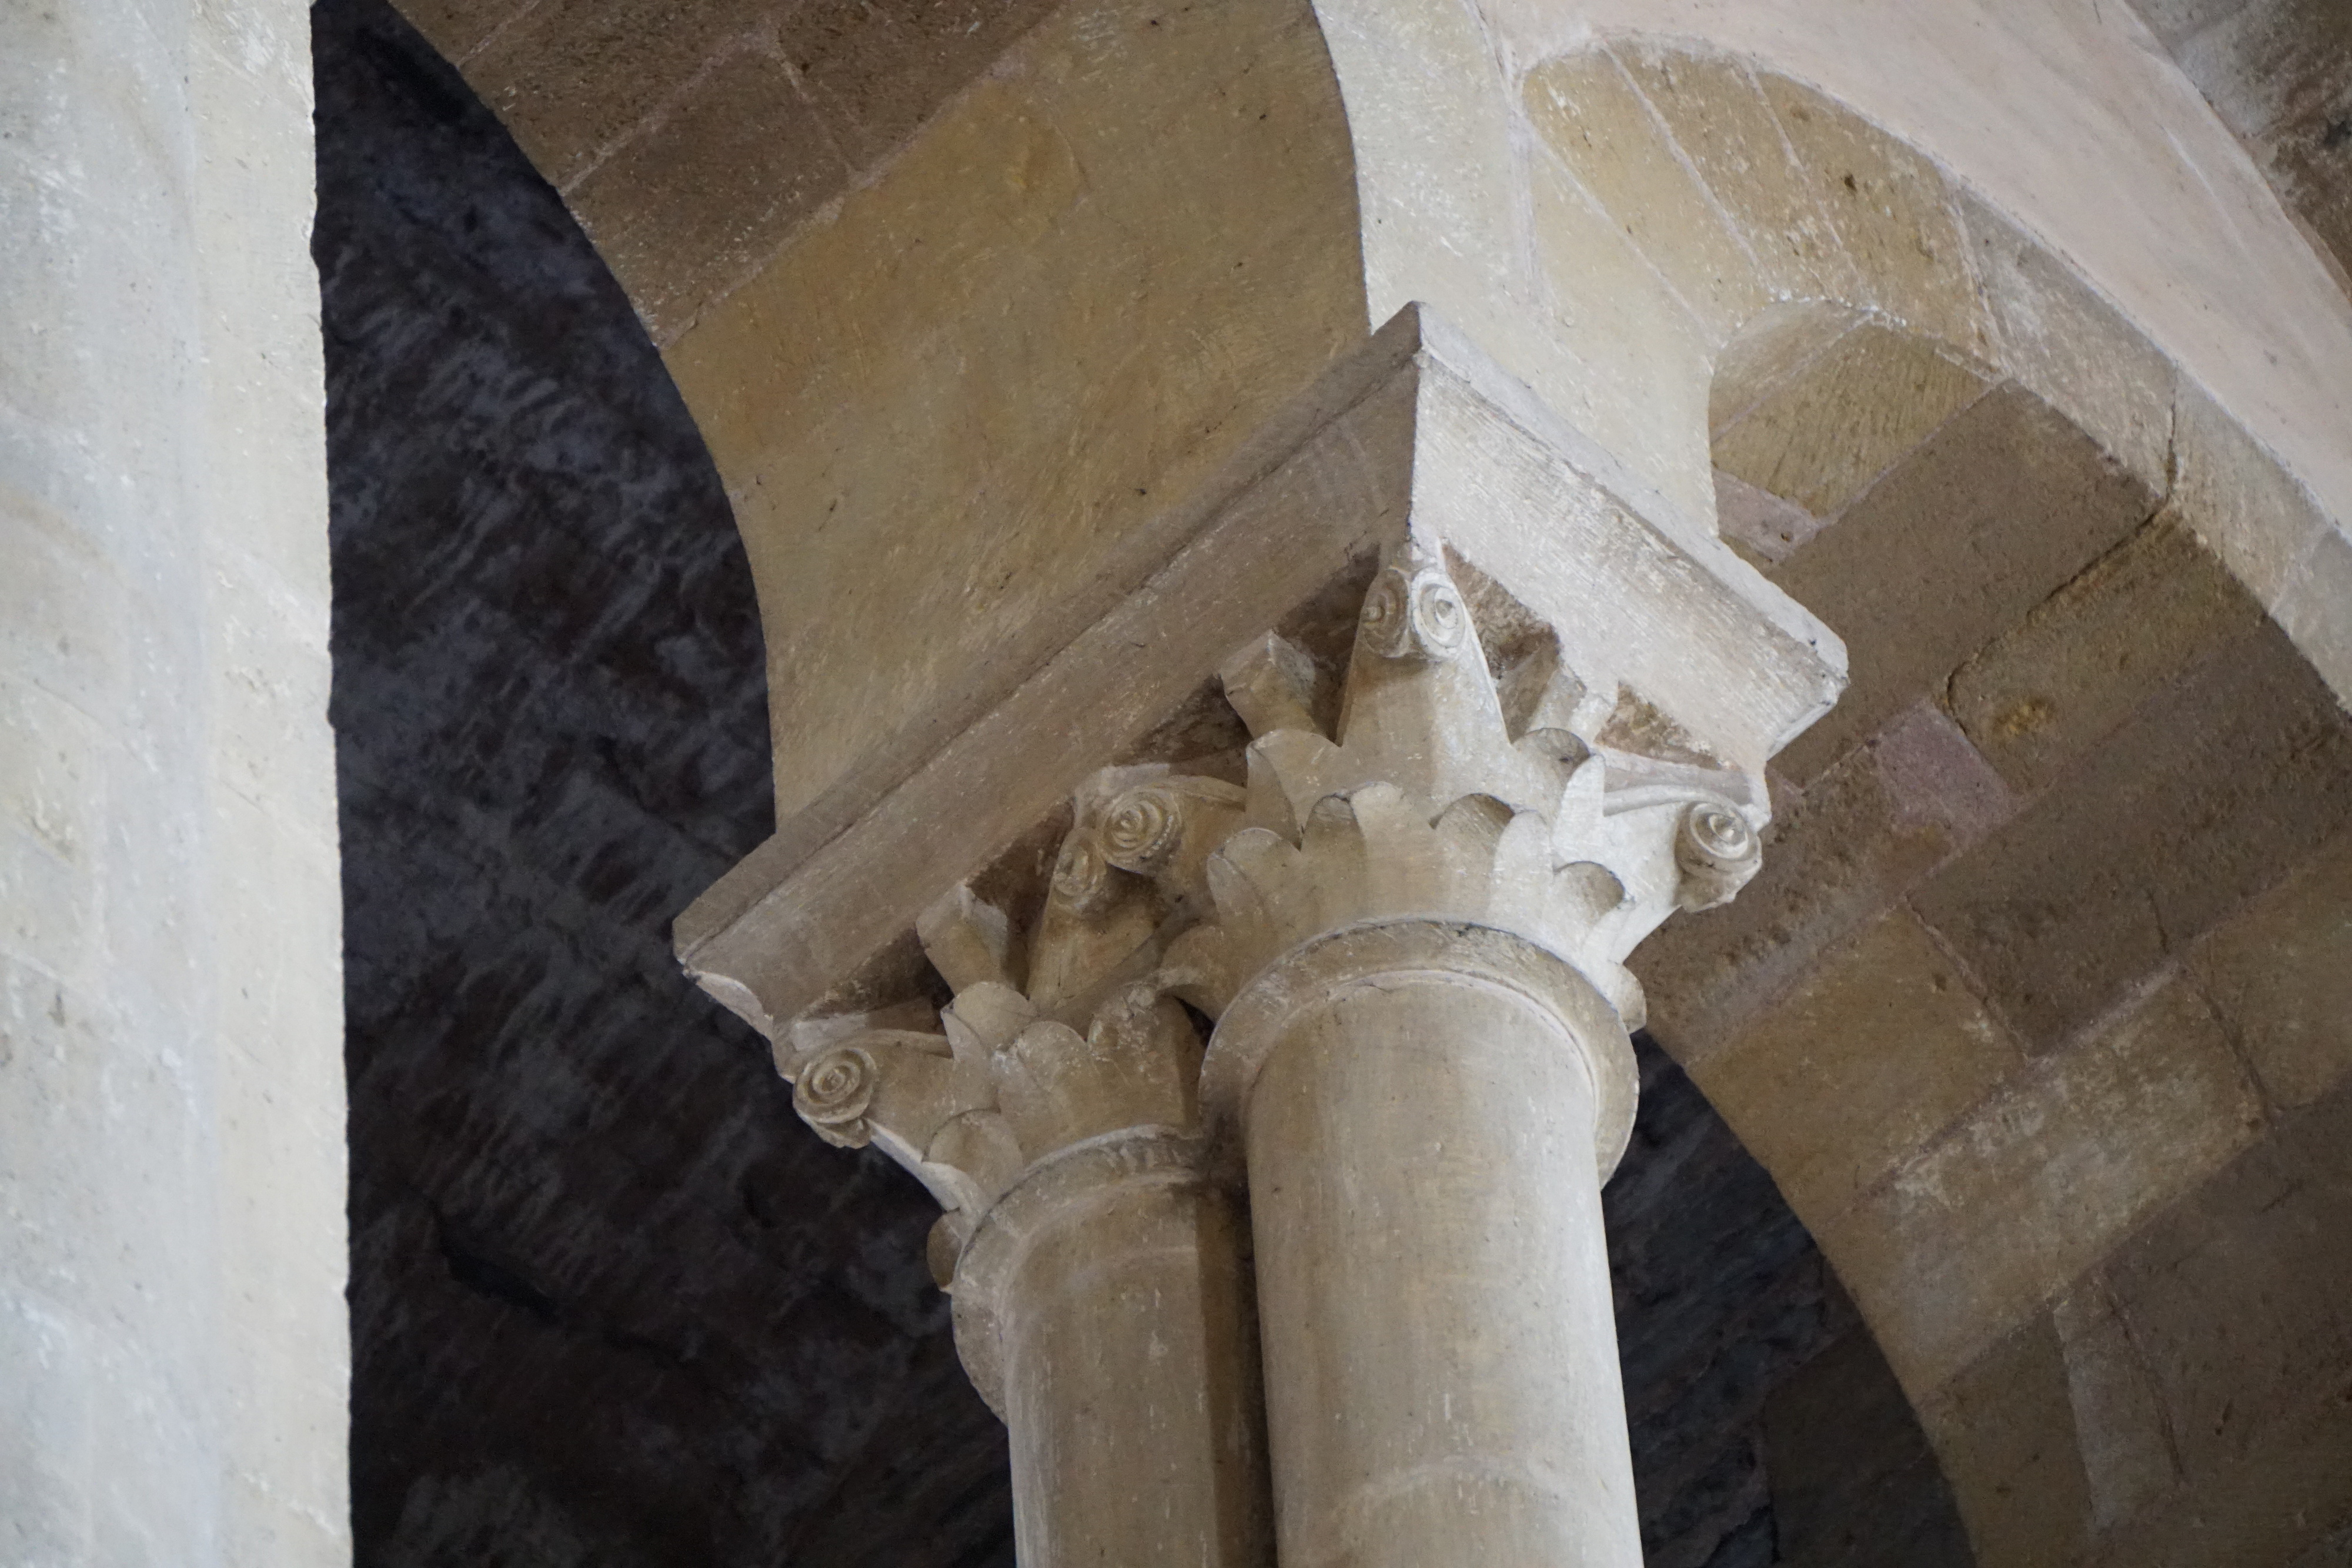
[(2289, 1502), (1877, 1050), (1833, 424), (2210, 794), (2248, 509), (2313, 611), (879, 70), (1987, 518), (2239, 1298), (1051, 429), (2039, 1181), (2072, 348), (1644, 354), (2119, 1421), (1865, 833), (2004, 1427), (1586, 110), (573, 79), (2280, 972), (1772, 346), (693, 205), (1761, 526), (1721, 120), (1893, 210), (458, 27), (2133, 622)]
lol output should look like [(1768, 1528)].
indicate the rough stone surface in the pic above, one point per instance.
[(2239, 1298), (684, 210), (2211, 792), (2073, 348), (614, 1304), (173, 1354), (2004, 1428), (2279, 971), (1891, 1020), (2132, 622), (1990, 513), (1863, 836), (2039, 1181), (649, 115), (1046, 345), (1838, 420)]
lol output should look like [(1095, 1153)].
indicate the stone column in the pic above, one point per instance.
[(1421, 1147), (1518, 714), (1103, 1301), (1423, 1056), (1105, 1310)]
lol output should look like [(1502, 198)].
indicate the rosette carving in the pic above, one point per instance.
[(834, 1093), (1431, 804), (1507, 794), (1413, 610), (1718, 850), (1059, 1032)]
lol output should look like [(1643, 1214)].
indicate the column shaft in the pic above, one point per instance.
[(1441, 1361), (1130, 1388)]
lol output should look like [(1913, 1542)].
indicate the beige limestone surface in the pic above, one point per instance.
[(949, 412), (2153, 199), (2061, 763), (1442, 1373), (174, 1354)]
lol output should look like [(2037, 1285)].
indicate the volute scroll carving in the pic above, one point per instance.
[(1426, 803), (1059, 1031), (1533, 799)]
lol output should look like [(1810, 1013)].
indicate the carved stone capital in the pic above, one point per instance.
[(1059, 1032), (1429, 803), (1378, 952), (1421, 659)]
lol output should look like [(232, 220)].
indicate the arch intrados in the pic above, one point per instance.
[(1994, 297)]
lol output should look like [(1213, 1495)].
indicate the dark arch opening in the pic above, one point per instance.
[(610, 1302)]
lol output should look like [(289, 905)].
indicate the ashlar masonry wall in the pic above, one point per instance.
[(173, 1345)]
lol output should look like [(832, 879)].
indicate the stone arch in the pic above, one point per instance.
[(1228, 194), (1618, 219), (2047, 1097), (2027, 1100)]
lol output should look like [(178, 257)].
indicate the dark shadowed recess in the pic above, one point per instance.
[(1767, 1427), (612, 1306)]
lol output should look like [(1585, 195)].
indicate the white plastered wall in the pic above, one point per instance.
[(173, 1350)]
